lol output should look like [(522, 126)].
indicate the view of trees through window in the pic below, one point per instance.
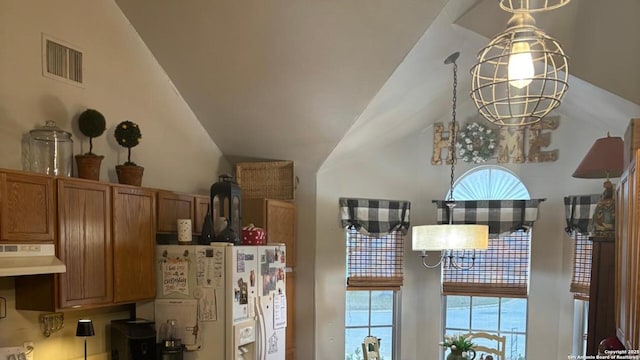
[(369, 312)]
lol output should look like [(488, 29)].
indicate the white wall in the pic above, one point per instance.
[(124, 82)]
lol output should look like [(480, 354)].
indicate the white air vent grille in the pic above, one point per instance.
[(61, 61)]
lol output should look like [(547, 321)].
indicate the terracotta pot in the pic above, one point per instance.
[(129, 174), (88, 166)]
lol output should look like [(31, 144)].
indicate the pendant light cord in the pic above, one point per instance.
[(454, 130), (451, 59)]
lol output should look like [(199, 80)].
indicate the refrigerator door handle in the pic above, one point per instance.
[(262, 348)]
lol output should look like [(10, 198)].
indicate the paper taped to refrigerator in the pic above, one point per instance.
[(279, 311), (175, 272)]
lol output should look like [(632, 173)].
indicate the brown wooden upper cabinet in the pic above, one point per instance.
[(134, 243), (84, 245), (27, 207), (173, 206), (84, 210), (202, 207), (277, 218)]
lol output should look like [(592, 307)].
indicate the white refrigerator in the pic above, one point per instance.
[(229, 301)]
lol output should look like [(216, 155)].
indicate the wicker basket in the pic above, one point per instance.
[(266, 179)]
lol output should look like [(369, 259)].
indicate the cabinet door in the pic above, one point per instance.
[(627, 248), (84, 220), (28, 206), (202, 207), (281, 226), (277, 218), (290, 347), (633, 264), (171, 207), (623, 227), (133, 244)]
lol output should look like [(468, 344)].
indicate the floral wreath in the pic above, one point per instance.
[(475, 143)]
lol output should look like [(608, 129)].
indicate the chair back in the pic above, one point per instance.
[(371, 348), (496, 347)]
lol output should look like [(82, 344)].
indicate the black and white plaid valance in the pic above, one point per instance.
[(578, 211), (502, 216), (375, 217)]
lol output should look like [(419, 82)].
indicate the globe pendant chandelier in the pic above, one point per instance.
[(531, 6), (521, 76)]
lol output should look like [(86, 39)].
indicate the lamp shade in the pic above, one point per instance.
[(449, 237), (85, 328), (604, 160)]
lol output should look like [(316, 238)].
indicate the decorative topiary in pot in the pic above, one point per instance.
[(92, 124), (128, 135)]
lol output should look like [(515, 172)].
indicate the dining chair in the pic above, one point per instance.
[(489, 344), (371, 348)]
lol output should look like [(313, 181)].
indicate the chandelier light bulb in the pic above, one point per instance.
[(521, 70), (520, 76)]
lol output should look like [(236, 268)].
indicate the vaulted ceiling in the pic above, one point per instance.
[(288, 79)]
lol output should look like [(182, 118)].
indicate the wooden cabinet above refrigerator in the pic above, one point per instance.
[(277, 218)]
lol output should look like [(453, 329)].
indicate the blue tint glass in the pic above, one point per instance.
[(353, 342), (357, 308), (457, 316), (516, 346), (513, 316), (484, 316), (382, 307), (385, 334)]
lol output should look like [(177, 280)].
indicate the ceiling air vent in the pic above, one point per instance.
[(61, 61)]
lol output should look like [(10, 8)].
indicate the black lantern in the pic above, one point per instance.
[(225, 203)]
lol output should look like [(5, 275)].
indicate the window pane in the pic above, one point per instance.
[(516, 345), (357, 308), (353, 343), (382, 308), (369, 313), (485, 313), (458, 312), (486, 342), (385, 334), (513, 315)]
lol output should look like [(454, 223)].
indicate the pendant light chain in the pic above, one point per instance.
[(454, 130), (453, 241)]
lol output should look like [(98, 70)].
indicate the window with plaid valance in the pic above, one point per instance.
[(503, 269), (502, 216), (578, 213), (375, 241)]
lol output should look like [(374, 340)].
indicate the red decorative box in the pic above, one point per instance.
[(252, 235)]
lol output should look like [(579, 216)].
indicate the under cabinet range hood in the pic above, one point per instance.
[(29, 259)]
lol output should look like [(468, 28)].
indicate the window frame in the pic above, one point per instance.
[(518, 195), (470, 328), (395, 320)]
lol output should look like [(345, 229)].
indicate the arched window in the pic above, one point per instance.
[(490, 182), (466, 307)]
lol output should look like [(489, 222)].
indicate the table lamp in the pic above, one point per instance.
[(604, 160), (84, 329)]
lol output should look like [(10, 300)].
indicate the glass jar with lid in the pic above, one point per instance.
[(50, 150)]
